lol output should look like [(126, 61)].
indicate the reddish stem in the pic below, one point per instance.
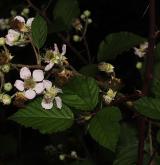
[(148, 77)]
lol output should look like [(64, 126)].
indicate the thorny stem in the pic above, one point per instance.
[(148, 77), (150, 137)]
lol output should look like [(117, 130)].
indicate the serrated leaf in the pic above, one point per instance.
[(117, 43), (149, 107), (105, 128), (89, 70), (46, 121), (39, 31), (81, 93), (64, 13)]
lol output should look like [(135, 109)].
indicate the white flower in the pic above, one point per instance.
[(20, 19), (141, 51), (110, 95), (32, 84), (55, 57), (50, 95), (12, 37), (29, 22)]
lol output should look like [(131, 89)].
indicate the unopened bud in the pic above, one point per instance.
[(2, 41), (87, 13), (76, 38), (6, 99), (26, 11), (62, 156), (89, 20), (139, 65), (13, 13), (74, 154), (5, 68), (7, 87)]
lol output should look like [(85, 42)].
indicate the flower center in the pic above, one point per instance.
[(29, 83)]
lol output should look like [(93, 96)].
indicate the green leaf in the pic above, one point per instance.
[(81, 93), (127, 150), (117, 43), (39, 31), (149, 107), (64, 13), (89, 70), (105, 128), (46, 121), (156, 88)]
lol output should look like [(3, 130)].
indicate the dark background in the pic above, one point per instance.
[(26, 146)]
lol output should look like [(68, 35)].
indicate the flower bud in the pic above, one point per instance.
[(82, 16), (6, 99), (5, 68), (89, 21), (76, 38), (7, 87), (13, 13), (62, 156), (2, 41), (26, 11), (139, 65), (87, 13), (74, 154)]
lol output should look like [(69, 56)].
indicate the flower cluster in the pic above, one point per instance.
[(34, 84)]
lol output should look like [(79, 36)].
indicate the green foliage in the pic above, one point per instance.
[(46, 121), (105, 127), (81, 93), (127, 146), (89, 70), (149, 107), (64, 13), (116, 43), (39, 31), (82, 162), (156, 88)]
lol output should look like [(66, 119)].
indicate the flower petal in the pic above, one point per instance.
[(25, 73), (30, 94), (56, 50), (58, 90), (39, 88), (20, 19), (19, 85), (47, 84), (38, 75), (58, 101), (63, 50), (46, 105), (49, 66), (29, 21)]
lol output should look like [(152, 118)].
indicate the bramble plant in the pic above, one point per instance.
[(50, 95)]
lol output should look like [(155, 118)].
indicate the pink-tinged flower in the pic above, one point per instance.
[(141, 51), (12, 37), (32, 84), (50, 95), (55, 57)]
